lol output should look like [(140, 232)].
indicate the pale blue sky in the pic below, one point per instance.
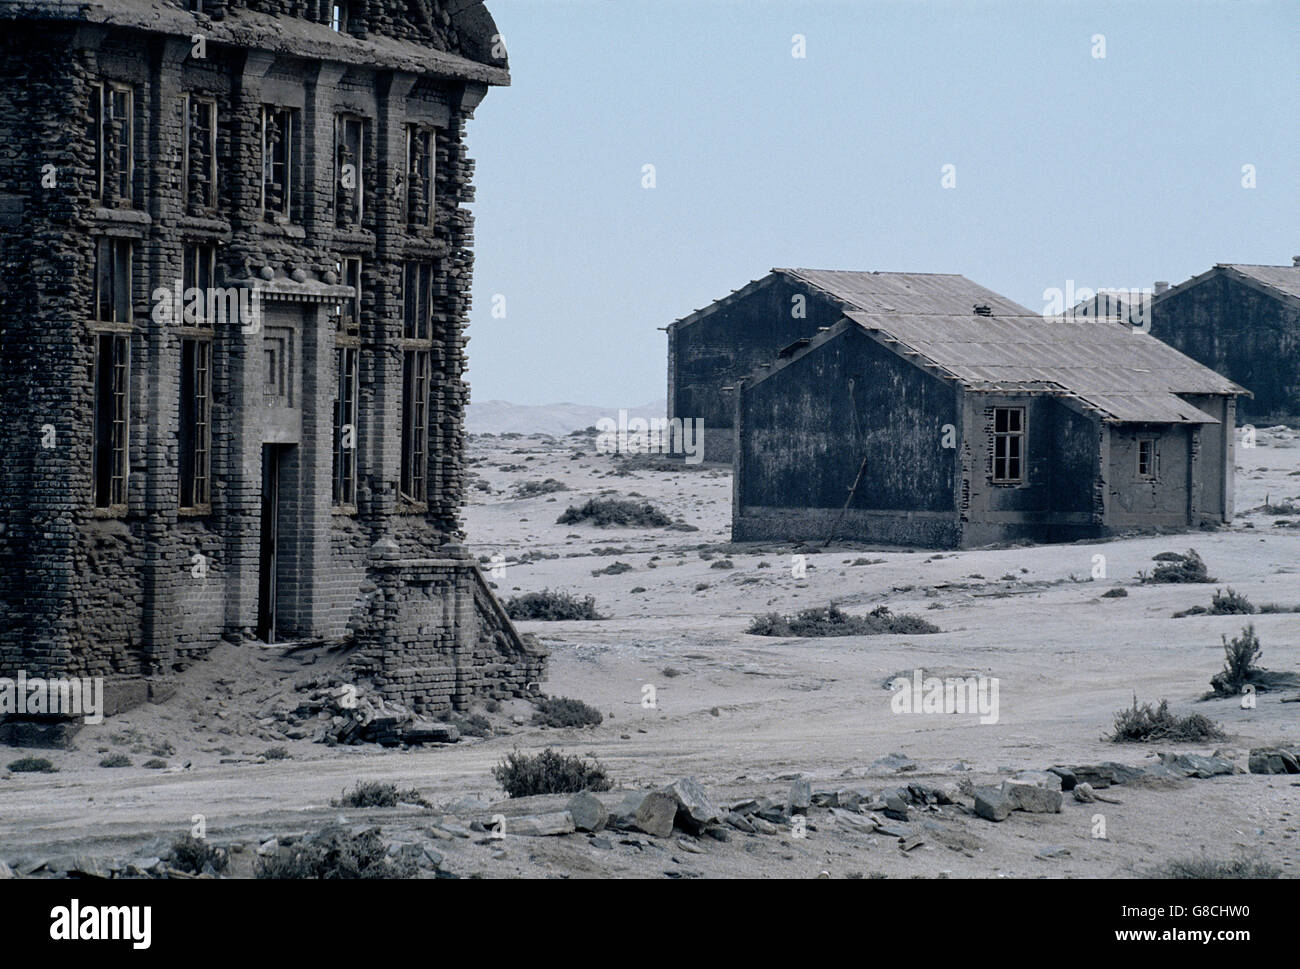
[(1109, 172)]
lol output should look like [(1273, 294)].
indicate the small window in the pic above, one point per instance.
[(1147, 458), (112, 298), (1008, 445), (345, 429), (112, 413), (419, 175), (196, 423), (113, 137), (349, 314), (200, 154), (417, 335), (199, 267), (277, 163), (349, 145), (338, 16)]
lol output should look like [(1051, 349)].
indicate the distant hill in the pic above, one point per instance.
[(503, 417)]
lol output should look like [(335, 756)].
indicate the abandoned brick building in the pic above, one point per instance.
[(1244, 322), (712, 348), (280, 458), (945, 429)]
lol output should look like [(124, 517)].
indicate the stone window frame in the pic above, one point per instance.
[(194, 424), (338, 13), (188, 101), (341, 120), (284, 215), (416, 346), (1019, 436), (414, 132), (347, 358), (111, 429), (102, 150), (1148, 470)]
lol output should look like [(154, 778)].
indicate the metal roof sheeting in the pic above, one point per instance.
[(883, 292), (1125, 374), (1284, 279)]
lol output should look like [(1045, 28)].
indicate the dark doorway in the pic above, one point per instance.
[(268, 575)]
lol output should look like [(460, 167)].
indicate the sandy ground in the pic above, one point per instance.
[(746, 714)]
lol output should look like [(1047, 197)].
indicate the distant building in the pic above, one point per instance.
[(953, 429), (712, 348), (1244, 322), (280, 457)]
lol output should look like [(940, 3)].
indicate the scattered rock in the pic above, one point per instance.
[(1101, 776), (800, 797), (1194, 765), (1274, 760), (895, 762), (739, 822), (541, 825), (1031, 798), (1053, 851), (655, 814), (895, 806), (1083, 793), (764, 827), (6, 872), (1048, 780), (992, 804), (695, 810), (588, 813)]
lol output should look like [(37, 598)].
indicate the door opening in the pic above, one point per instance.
[(268, 571)]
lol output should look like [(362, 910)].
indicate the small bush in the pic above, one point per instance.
[(521, 775), (723, 564), (335, 853), (1140, 724), (276, 753), (1206, 867), (116, 760), (530, 489), (1119, 592), (1172, 567), (155, 763), (561, 711), (551, 606), (1286, 508), (1230, 603), (604, 512), (190, 854), (831, 621), (1239, 655), (614, 568), (32, 765), (374, 794)]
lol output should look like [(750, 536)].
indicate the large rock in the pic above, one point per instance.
[(588, 813), (541, 825), (1194, 765), (1031, 797), (800, 797), (1039, 778), (895, 806), (695, 810), (992, 804), (1101, 775), (655, 814), (1274, 760)]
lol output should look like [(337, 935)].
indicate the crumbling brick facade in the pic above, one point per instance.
[(283, 462)]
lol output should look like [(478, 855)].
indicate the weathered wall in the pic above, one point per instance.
[(806, 429), (729, 343), (1249, 336), (1059, 498), (1158, 503)]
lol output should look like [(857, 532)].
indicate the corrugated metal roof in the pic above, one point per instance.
[(884, 292), (1284, 279), (1126, 374)]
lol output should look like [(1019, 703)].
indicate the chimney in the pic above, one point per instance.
[(1295, 260), (1161, 286)]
